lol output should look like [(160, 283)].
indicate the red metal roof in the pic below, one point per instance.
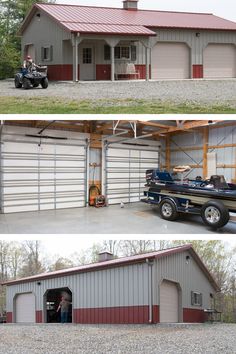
[(94, 16), (116, 263), (108, 29)]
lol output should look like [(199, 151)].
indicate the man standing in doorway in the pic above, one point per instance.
[(64, 307)]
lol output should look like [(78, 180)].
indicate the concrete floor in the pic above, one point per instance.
[(137, 218)]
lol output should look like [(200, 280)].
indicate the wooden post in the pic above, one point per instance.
[(205, 151), (168, 157)]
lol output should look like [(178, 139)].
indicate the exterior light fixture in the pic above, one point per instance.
[(197, 34), (187, 259), (39, 283)]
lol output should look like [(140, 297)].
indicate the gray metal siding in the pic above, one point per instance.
[(45, 32), (189, 276), (122, 286)]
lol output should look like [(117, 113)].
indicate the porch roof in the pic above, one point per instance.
[(95, 28), (90, 19)]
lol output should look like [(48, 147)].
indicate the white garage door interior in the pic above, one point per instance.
[(25, 308), (49, 176), (219, 60), (125, 171), (169, 302), (170, 61)]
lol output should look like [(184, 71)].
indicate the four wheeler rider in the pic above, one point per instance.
[(29, 64)]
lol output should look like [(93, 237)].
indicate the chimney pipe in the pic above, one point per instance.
[(130, 5)]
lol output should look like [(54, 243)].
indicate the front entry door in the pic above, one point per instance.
[(87, 65)]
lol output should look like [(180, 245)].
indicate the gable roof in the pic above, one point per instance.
[(140, 258), (90, 19)]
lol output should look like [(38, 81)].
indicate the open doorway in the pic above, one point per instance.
[(52, 299)]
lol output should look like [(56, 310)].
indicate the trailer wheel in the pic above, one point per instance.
[(215, 214), (168, 210)]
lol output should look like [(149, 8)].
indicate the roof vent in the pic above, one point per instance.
[(130, 4), (105, 256)]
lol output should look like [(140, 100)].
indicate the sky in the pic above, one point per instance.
[(222, 8)]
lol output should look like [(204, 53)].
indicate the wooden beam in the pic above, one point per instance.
[(95, 141), (168, 156), (205, 151)]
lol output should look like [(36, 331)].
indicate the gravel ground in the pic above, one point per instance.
[(204, 92), (72, 339)]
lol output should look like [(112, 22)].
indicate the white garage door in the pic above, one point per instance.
[(170, 61), (126, 172), (25, 308), (169, 302), (49, 176), (219, 60)]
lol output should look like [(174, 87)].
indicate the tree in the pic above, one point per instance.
[(61, 263), (32, 259)]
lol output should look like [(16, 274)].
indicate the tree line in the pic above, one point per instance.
[(22, 259), (12, 14)]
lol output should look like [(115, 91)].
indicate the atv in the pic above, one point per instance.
[(29, 79)]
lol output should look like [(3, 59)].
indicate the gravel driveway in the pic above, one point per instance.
[(73, 339), (204, 92)]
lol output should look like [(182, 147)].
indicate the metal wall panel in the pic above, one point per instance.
[(47, 176), (121, 286), (187, 274), (125, 167)]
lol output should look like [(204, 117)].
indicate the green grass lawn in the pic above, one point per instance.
[(18, 105)]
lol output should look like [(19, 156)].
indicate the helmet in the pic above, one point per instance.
[(29, 57)]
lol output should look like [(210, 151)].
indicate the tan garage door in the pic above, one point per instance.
[(219, 60), (25, 308), (170, 61), (169, 302)]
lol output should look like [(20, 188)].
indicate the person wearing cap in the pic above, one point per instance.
[(29, 64)]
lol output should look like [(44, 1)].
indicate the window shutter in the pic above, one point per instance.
[(51, 53), (200, 299), (107, 52), (42, 53), (192, 298), (133, 53)]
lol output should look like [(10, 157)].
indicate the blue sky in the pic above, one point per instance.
[(226, 8)]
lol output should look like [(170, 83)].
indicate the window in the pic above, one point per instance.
[(46, 53), (87, 55), (196, 298), (122, 52)]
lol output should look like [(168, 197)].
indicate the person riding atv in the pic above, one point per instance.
[(31, 75)]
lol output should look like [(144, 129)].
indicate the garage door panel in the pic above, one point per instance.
[(219, 61), (170, 61), (32, 178), (125, 178), (25, 308), (169, 302)]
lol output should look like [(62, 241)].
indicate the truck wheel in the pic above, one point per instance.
[(215, 214), (44, 83), (168, 210), (18, 84), (26, 83)]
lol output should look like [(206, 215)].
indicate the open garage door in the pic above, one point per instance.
[(170, 61), (25, 308), (125, 168), (169, 302), (219, 61), (35, 175)]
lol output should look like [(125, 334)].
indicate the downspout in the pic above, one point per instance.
[(87, 173), (150, 263)]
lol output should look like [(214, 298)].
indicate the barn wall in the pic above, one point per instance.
[(225, 156), (121, 287), (189, 276)]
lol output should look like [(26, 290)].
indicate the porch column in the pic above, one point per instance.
[(112, 63), (147, 62), (75, 43)]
